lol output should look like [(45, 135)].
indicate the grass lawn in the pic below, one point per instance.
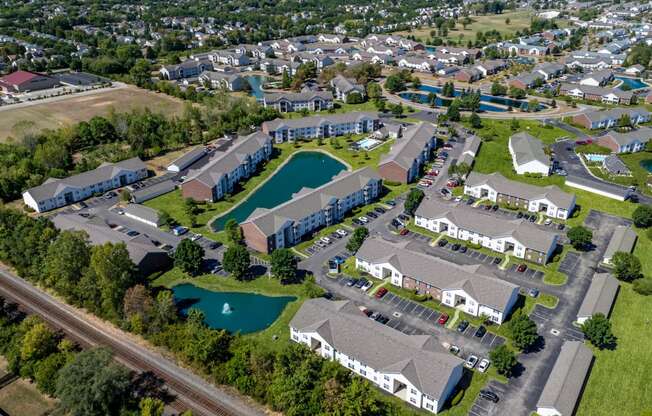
[(639, 173), (338, 107), (22, 398), (263, 285)]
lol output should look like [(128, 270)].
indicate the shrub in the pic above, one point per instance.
[(458, 397), (643, 286), (391, 183)]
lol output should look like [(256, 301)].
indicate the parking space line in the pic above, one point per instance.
[(411, 306), (418, 310)]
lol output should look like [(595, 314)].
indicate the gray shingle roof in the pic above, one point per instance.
[(346, 85), (189, 157), (527, 148), (642, 134), (476, 280), (143, 212), (417, 357), (149, 192), (106, 171), (410, 146), (274, 97), (600, 296), (503, 185), (308, 201), (615, 114), (313, 121), (565, 382), (622, 239), (615, 166), (477, 221), (472, 145)]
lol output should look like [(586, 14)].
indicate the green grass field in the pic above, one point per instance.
[(22, 398), (639, 173)]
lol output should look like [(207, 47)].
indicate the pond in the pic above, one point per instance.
[(234, 311), (445, 102), (633, 83), (647, 165), (256, 82), (304, 169)]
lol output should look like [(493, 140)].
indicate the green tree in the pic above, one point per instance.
[(503, 359), (233, 231), (286, 81), (395, 83), (140, 73), (624, 121), (356, 240), (47, 372), (374, 91), (643, 286), (354, 98), (413, 200), (164, 310), (522, 330), (432, 99), (188, 256), (580, 237), (397, 110), (498, 89), (37, 343), (453, 112), (92, 384), (150, 406), (67, 259), (475, 120), (626, 266), (284, 265), (236, 261), (642, 216), (597, 329), (113, 272)]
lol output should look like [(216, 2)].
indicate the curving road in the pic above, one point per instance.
[(189, 390)]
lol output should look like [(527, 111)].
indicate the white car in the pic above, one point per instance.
[(483, 365), (366, 286), (471, 361), (458, 199), (326, 240), (342, 232), (195, 237), (364, 219)]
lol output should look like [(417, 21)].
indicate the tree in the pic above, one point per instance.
[(514, 125), (475, 120), (356, 240), (580, 237), (432, 99), (150, 406), (643, 286), (498, 89), (236, 261), (92, 384), (47, 372), (374, 91), (503, 359), (286, 82), (597, 329), (67, 259), (137, 307), (164, 310), (413, 200), (416, 82), (140, 73), (397, 110), (188, 256), (38, 342), (190, 207), (395, 83), (624, 121), (642, 216), (627, 266), (113, 272), (354, 98), (284, 265), (233, 231), (523, 331), (453, 112)]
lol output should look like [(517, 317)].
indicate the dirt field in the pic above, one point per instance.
[(22, 398), (73, 109)]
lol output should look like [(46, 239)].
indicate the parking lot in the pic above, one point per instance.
[(528, 273), (482, 407)]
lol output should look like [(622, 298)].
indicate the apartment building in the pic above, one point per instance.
[(591, 93), (630, 142), (472, 289), (343, 87), (56, 193), (518, 238), (413, 368), (528, 154), (310, 209), (408, 155), (223, 80), (221, 174), (297, 101), (548, 200), (282, 130), (187, 69), (609, 118)]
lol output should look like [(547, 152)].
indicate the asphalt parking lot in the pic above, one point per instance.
[(483, 407), (528, 274)]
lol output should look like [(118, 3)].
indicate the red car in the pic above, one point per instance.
[(442, 319), (381, 292), (521, 268), (404, 231)]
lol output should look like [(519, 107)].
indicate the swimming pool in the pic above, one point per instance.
[(595, 157), (632, 83), (368, 143)]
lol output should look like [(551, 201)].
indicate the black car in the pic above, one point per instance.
[(334, 235), (442, 242), (462, 326), (489, 395), (351, 282), (487, 207), (371, 214), (497, 260), (356, 221), (395, 223), (391, 203), (360, 283), (560, 227), (379, 210), (382, 319), (495, 208), (456, 247), (463, 249), (404, 217), (328, 295), (213, 245), (533, 218), (519, 215), (470, 201), (479, 333)]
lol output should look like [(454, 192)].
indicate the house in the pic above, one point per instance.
[(150, 192), (550, 70), (345, 86), (623, 240), (409, 154), (591, 93), (313, 127), (223, 80), (320, 61), (143, 214), (518, 238), (143, 252), (187, 159), (187, 69), (411, 367), (598, 78), (613, 165), (491, 67), (548, 200), (422, 64), (297, 101), (599, 298), (470, 150), (26, 81), (472, 289), (566, 381), (629, 142), (526, 81), (609, 118), (635, 70), (330, 38), (526, 49), (310, 209), (223, 172), (468, 75), (56, 193), (229, 58), (528, 154)]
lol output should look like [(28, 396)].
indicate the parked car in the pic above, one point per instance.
[(179, 230), (132, 233), (533, 218), (533, 293), (444, 192), (547, 222), (374, 315), (471, 361), (483, 365), (494, 208), (391, 203), (454, 349), (470, 201), (455, 247), (404, 217), (479, 333), (404, 231), (396, 223), (382, 319), (213, 245), (463, 249), (487, 207), (360, 283), (489, 395), (372, 214), (120, 211), (521, 268), (380, 210), (462, 326), (561, 227), (334, 235), (380, 293), (497, 260), (519, 215), (442, 242), (342, 232), (325, 240), (357, 221), (351, 282), (320, 244), (442, 319), (195, 237), (363, 220), (366, 286)]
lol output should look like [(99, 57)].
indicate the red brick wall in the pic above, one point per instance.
[(607, 142), (412, 284), (254, 237), (196, 190), (582, 121), (393, 172)]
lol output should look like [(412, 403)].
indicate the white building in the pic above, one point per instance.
[(143, 214), (528, 155)]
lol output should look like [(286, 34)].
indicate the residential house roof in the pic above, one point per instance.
[(615, 114), (564, 385), (527, 148), (623, 239), (597, 91), (149, 192), (471, 145), (346, 85), (600, 296), (410, 146), (274, 97), (20, 77), (642, 134), (297, 123), (417, 357), (476, 280)]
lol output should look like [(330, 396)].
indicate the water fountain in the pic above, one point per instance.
[(226, 309)]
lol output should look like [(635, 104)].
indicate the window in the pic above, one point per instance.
[(413, 400), (386, 378), (386, 386), (429, 406), (351, 366), (327, 348), (413, 391), (364, 373)]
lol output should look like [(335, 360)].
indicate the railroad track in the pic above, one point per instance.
[(189, 391)]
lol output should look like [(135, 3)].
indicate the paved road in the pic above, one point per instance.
[(189, 390)]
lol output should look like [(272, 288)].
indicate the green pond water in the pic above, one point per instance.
[(304, 169), (233, 311), (647, 165)]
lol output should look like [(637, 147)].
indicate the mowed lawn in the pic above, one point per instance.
[(22, 398), (75, 108)]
